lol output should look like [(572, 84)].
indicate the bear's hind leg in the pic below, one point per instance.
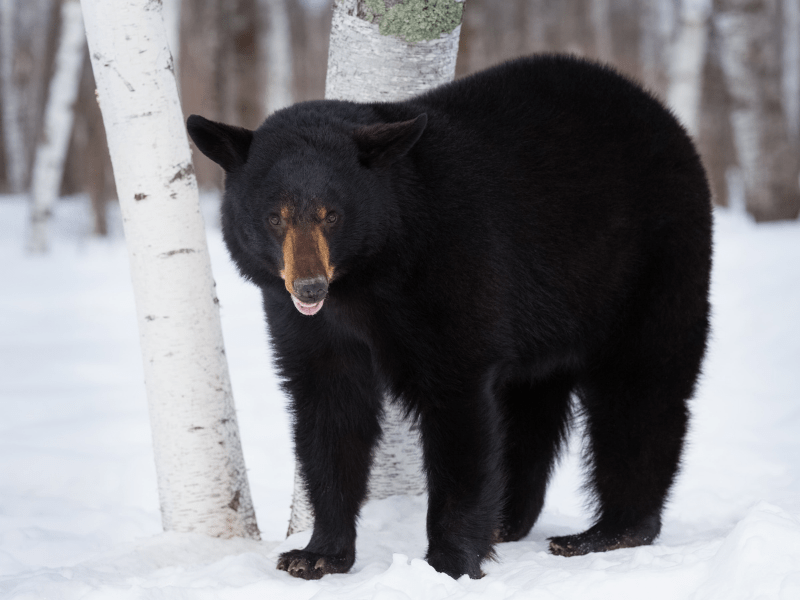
[(463, 459), (536, 416), (636, 418)]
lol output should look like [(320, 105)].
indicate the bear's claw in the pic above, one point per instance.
[(311, 565), (596, 540)]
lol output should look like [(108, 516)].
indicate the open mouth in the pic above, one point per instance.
[(307, 309)]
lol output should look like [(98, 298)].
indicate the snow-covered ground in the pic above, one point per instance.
[(79, 511)]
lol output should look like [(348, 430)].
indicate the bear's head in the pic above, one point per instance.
[(307, 198)]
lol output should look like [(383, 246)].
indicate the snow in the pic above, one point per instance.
[(79, 514)]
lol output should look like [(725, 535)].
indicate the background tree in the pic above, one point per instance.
[(25, 56), (790, 15), (201, 475), (233, 66), (59, 115), (750, 34), (687, 57), (276, 47)]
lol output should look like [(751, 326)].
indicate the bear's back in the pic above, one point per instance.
[(568, 183)]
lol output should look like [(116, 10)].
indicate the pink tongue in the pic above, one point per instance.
[(307, 309)]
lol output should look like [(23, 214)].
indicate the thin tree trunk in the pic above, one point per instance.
[(715, 138), (48, 166), (688, 57), (659, 21), (201, 474), (366, 66), (16, 145), (750, 57), (26, 38), (791, 68), (240, 73), (276, 48), (201, 47)]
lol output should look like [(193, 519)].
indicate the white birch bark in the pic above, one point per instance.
[(750, 60), (171, 12), (276, 48), (201, 474), (59, 115), (686, 66), (365, 66), (16, 147), (791, 67)]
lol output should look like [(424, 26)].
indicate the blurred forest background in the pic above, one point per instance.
[(734, 63)]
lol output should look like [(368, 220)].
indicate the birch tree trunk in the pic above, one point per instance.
[(276, 48), (749, 40), (366, 65), (59, 115), (659, 22), (13, 135), (24, 31), (171, 13), (201, 474), (686, 66)]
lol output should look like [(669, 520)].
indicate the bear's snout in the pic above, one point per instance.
[(311, 289)]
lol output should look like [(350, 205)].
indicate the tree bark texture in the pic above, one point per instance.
[(59, 116), (750, 57), (201, 474), (171, 13), (366, 66)]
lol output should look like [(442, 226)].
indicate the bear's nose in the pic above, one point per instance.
[(311, 289)]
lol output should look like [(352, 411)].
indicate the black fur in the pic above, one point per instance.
[(543, 232)]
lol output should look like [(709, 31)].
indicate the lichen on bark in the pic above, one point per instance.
[(413, 20)]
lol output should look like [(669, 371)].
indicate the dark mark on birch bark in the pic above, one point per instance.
[(174, 252), (183, 173)]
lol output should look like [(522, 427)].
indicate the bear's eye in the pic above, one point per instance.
[(332, 217), (274, 220)]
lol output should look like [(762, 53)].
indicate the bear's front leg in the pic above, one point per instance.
[(462, 448), (336, 406)]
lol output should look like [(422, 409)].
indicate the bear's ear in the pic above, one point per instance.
[(382, 144), (226, 145)]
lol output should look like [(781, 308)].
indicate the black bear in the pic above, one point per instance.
[(482, 254)]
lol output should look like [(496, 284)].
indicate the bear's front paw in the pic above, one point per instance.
[(312, 565), (456, 564)]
